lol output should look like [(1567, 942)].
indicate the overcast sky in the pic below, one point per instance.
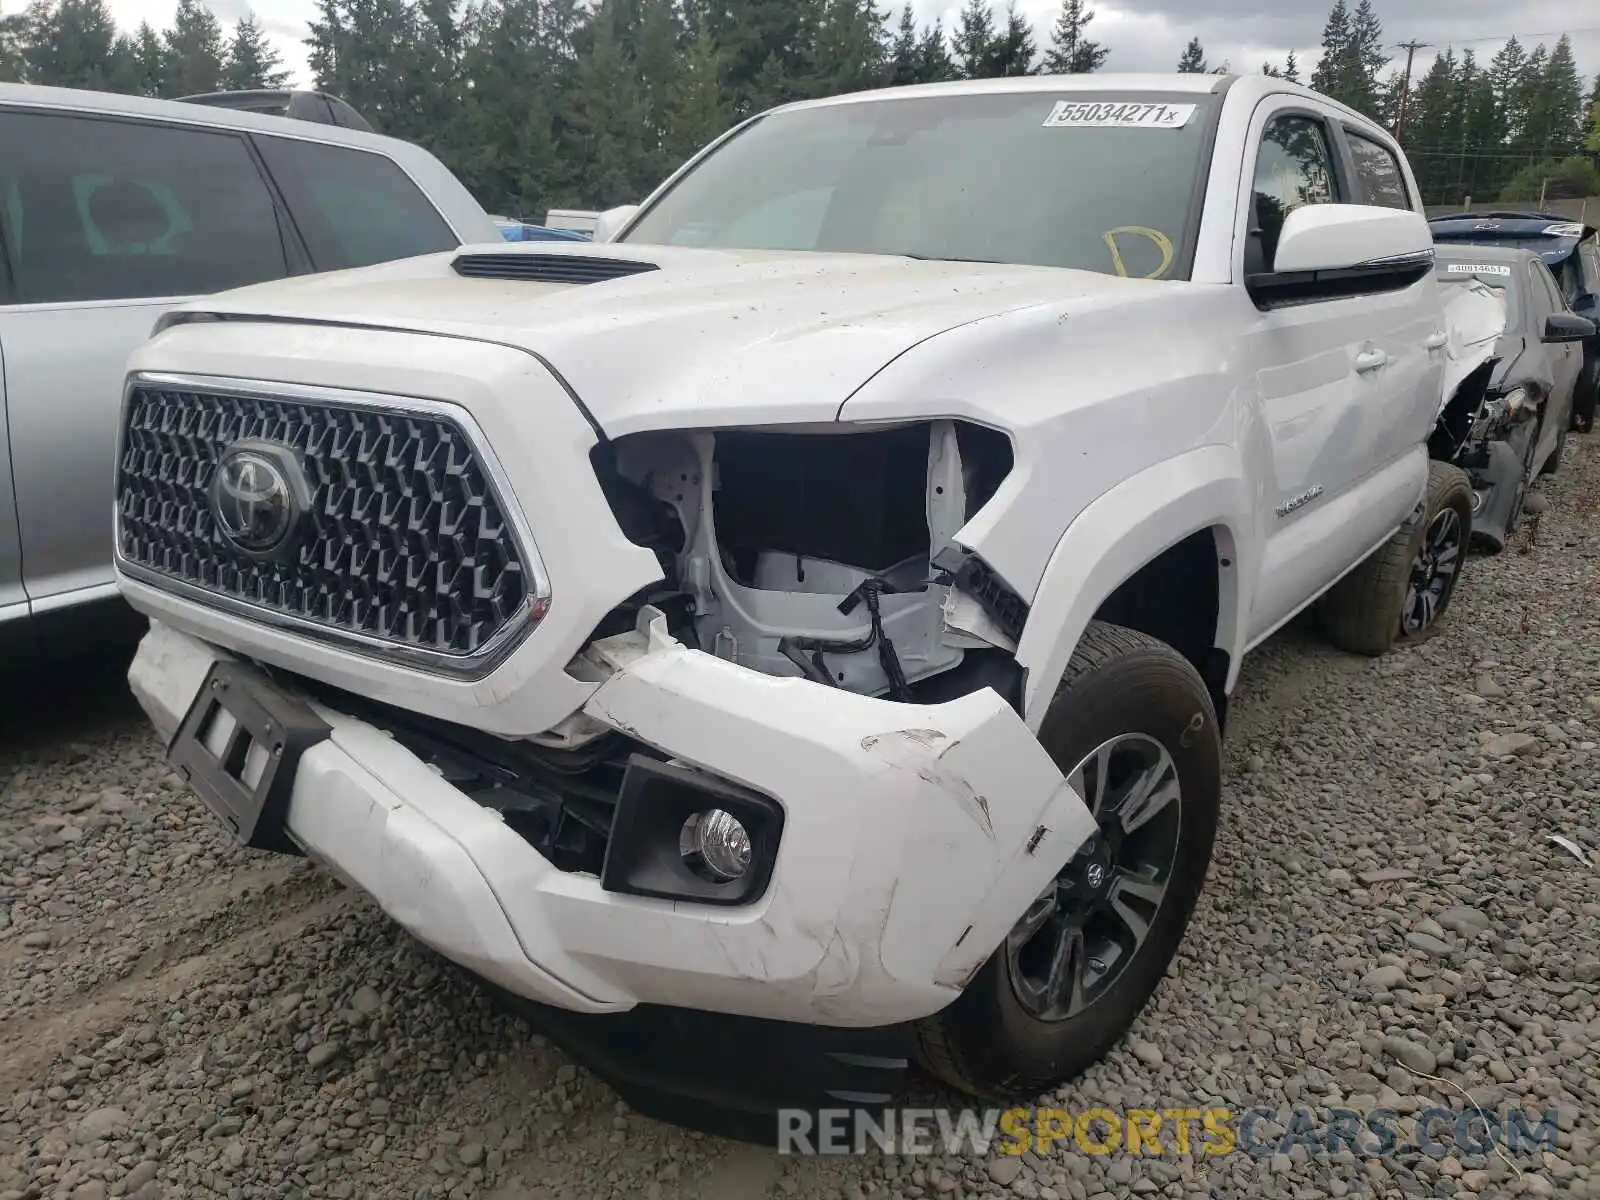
[(1143, 34)]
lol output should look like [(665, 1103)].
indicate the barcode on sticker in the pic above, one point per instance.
[(1078, 114), (1465, 269)]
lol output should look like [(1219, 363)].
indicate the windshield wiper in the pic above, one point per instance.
[(998, 262)]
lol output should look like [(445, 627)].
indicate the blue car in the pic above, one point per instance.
[(518, 231), (1571, 249)]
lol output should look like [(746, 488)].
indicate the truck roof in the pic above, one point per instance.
[(1100, 82)]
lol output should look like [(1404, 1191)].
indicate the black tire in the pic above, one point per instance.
[(1366, 611), (1118, 683), (1587, 395), (1553, 464)]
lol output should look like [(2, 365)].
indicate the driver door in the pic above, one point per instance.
[(1565, 360), (1341, 385)]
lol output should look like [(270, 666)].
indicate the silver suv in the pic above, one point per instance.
[(112, 210)]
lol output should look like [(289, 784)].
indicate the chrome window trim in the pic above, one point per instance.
[(471, 666)]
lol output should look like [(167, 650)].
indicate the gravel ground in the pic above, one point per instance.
[(1386, 924)]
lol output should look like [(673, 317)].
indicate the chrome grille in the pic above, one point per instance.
[(404, 547)]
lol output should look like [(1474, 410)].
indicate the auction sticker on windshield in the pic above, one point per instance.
[(1081, 114), (1485, 269)]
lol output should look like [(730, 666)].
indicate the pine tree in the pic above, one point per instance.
[(1193, 59), (607, 111), (1071, 52), (1015, 51), (658, 59), (252, 61), (903, 54), (1506, 80), (975, 40), (1352, 56), (11, 31), (1433, 125), (1291, 68), (1558, 112), (850, 48), (149, 57), (1328, 77), (71, 43), (1591, 139), (767, 48), (1530, 104), (1386, 99), (510, 156), (1366, 44), (700, 112), (195, 51), (933, 56)]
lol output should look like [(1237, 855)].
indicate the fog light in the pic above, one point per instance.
[(714, 843)]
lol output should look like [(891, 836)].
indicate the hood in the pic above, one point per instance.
[(1475, 319), (689, 337)]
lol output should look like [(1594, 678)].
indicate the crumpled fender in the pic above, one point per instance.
[(1122, 530)]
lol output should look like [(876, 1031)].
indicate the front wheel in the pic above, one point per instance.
[(1133, 729)]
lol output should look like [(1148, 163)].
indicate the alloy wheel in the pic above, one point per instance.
[(1433, 572), (1083, 930)]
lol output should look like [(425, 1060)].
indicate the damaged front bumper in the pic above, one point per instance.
[(913, 836)]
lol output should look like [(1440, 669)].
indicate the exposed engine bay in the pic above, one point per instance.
[(804, 552), (1490, 429), (815, 552)]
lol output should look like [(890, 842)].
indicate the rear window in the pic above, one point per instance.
[(352, 207), (95, 209), (1378, 173), (1541, 244)]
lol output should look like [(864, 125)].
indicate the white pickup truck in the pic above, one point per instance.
[(810, 609)]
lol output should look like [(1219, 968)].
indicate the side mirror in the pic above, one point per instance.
[(1330, 250), (1342, 237), (1567, 327), (610, 222)]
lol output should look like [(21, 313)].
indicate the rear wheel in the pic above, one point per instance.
[(1133, 729), (1399, 594)]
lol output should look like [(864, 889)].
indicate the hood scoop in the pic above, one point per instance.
[(548, 268)]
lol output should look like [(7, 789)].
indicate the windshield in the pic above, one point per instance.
[(1107, 183), (1503, 277)]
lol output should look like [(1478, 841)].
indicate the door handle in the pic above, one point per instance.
[(1436, 340), (1370, 360)]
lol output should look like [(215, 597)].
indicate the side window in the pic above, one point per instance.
[(1378, 174), (95, 209), (353, 208), (1570, 281), (1293, 167), (1546, 299)]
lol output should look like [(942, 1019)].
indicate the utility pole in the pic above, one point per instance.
[(1411, 49)]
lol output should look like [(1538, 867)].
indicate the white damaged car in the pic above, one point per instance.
[(811, 610)]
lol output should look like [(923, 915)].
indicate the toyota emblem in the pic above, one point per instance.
[(254, 496)]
